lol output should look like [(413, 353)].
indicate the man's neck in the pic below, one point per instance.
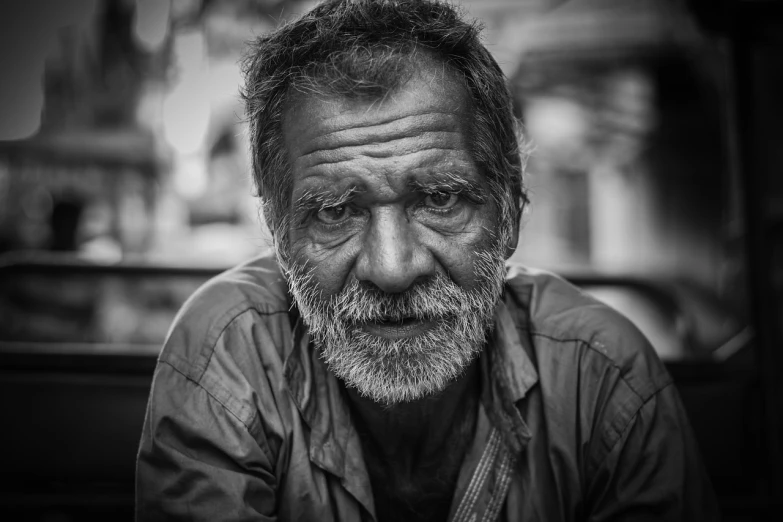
[(421, 430)]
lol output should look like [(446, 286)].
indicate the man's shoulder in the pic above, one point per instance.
[(257, 283), (565, 323), (253, 292), (558, 309)]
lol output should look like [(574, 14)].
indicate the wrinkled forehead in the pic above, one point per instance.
[(426, 118)]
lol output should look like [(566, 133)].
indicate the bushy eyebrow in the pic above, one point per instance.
[(451, 183), (315, 200)]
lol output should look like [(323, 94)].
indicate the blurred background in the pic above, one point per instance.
[(655, 182)]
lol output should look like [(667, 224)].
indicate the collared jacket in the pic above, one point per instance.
[(577, 420)]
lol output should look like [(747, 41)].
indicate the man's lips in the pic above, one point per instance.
[(408, 327)]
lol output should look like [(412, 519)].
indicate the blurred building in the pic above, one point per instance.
[(623, 109)]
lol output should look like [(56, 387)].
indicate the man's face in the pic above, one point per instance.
[(395, 264)]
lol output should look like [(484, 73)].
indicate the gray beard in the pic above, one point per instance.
[(391, 371)]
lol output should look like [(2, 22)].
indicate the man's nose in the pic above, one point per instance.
[(392, 256)]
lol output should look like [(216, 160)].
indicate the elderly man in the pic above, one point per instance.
[(386, 365)]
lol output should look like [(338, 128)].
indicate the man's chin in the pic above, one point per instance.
[(395, 372), (395, 393)]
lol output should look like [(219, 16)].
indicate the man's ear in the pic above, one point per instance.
[(511, 247)]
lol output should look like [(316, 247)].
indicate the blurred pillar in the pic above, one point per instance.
[(754, 131), (622, 224)]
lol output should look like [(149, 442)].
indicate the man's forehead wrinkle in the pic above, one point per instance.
[(350, 132), (329, 181), (334, 141), (332, 159)]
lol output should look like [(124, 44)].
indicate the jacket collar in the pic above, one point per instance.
[(508, 374), (334, 444)]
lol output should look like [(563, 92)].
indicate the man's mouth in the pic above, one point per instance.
[(398, 329)]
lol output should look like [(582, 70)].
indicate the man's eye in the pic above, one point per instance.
[(441, 200), (332, 215)]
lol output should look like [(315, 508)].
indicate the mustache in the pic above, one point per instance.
[(435, 298)]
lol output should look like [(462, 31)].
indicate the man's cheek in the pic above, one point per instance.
[(328, 268), (460, 259)]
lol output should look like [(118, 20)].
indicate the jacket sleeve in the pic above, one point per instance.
[(654, 471), (198, 460)]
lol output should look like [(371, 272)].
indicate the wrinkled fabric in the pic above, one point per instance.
[(578, 419)]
